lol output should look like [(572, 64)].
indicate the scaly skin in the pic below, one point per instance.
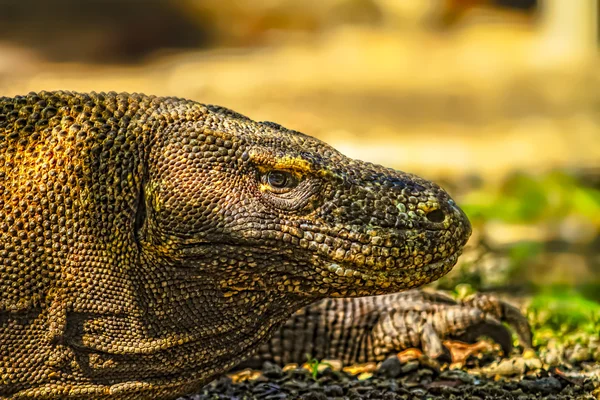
[(149, 244)]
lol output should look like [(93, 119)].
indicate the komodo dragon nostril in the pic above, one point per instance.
[(436, 216)]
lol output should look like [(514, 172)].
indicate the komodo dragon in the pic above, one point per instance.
[(149, 244)]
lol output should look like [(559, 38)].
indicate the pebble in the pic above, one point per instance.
[(278, 396), (334, 391), (391, 367), (271, 370), (313, 396), (543, 385), (410, 367), (578, 354), (456, 374)]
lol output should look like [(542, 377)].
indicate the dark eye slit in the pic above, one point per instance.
[(280, 181)]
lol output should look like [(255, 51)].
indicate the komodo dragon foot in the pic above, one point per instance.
[(359, 330)]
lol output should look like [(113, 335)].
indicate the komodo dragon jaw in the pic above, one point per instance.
[(149, 244)]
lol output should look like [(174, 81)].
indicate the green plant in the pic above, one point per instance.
[(563, 314), (314, 364)]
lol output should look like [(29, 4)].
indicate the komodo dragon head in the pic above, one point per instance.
[(262, 207), (148, 244)]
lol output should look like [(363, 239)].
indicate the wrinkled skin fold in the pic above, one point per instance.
[(149, 244)]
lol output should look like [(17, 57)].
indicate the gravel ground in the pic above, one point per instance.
[(416, 379)]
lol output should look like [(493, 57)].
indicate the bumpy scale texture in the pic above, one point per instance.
[(149, 244)]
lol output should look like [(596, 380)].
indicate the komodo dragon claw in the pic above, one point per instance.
[(369, 329)]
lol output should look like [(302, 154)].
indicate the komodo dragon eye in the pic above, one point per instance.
[(287, 191), (280, 181)]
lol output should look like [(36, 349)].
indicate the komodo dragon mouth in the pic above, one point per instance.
[(395, 276), (130, 222)]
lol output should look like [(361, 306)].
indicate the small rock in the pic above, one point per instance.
[(313, 396), (532, 364), (245, 375), (315, 386), (330, 374), (364, 376), (271, 370), (333, 391), (456, 374), (420, 393), (410, 367), (289, 367), (553, 357), (578, 354), (335, 365), (424, 373), (386, 384), (300, 373), (391, 396), (364, 389), (391, 367), (277, 396), (353, 394), (294, 385), (360, 368), (506, 367), (547, 385), (266, 389), (596, 354), (260, 378)]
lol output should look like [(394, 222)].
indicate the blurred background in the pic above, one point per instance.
[(496, 99)]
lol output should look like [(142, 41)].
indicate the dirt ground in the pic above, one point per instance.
[(417, 379)]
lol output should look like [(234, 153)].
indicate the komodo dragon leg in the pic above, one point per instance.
[(359, 330)]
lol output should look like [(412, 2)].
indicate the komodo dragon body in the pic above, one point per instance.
[(149, 244)]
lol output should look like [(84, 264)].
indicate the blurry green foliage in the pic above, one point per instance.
[(563, 314), (525, 198), (520, 255), (463, 290), (468, 274), (463, 274)]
